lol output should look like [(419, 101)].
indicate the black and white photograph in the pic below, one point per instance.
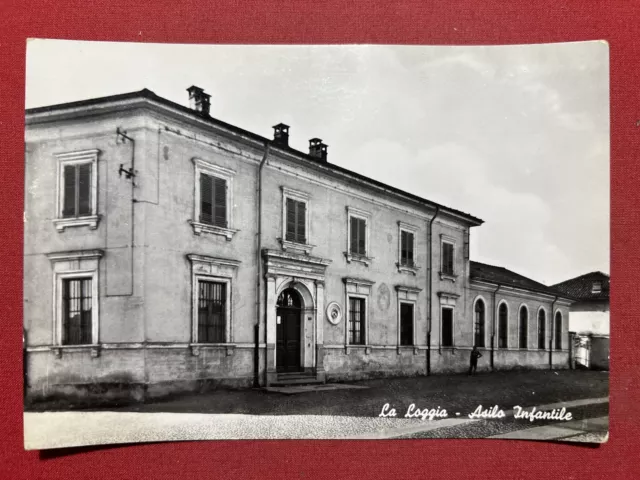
[(315, 242)]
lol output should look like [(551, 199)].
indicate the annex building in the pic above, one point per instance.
[(166, 250)]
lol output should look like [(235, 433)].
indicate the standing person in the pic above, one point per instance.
[(475, 355)]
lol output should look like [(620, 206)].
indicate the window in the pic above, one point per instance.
[(406, 248), (356, 321), (542, 320), (77, 304), (296, 221), (212, 279), (212, 298), (447, 327), (77, 190), (479, 324), (213, 200), (357, 236), (447, 260), (406, 324), (523, 326), (558, 333), (503, 322)]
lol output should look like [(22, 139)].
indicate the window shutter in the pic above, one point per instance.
[(84, 189), (403, 247), (69, 201), (354, 235), (362, 246), (302, 223), (410, 248), (291, 220), (220, 202), (206, 196)]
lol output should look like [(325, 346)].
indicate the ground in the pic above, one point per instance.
[(355, 412)]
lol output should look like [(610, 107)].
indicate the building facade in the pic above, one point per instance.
[(166, 250)]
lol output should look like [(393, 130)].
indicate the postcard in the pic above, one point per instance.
[(315, 242)]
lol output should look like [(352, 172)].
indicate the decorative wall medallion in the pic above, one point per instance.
[(334, 313), (384, 297)]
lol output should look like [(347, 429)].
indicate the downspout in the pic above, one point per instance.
[(552, 325), (493, 328), (430, 286), (256, 357)]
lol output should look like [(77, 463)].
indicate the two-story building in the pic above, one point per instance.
[(166, 250)]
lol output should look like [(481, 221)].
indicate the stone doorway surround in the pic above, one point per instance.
[(306, 275)]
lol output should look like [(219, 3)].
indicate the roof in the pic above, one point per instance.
[(149, 95), (507, 278), (581, 288)]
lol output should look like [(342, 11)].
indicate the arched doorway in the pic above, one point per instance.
[(288, 331)]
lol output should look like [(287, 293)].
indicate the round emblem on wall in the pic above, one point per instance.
[(334, 313)]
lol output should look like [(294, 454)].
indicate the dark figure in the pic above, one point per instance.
[(475, 355)]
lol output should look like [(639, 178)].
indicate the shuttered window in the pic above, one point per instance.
[(296, 212), (358, 236), (77, 190), (212, 299), (502, 325), (76, 311), (406, 324), (447, 258), (406, 248), (447, 327), (213, 200), (479, 324), (356, 321), (542, 331), (558, 332), (524, 325)]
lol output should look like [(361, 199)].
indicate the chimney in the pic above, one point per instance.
[(281, 134), (199, 101), (318, 149)]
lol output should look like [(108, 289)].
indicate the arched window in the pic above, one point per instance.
[(479, 324), (289, 299), (558, 333), (523, 326), (503, 320), (542, 328)]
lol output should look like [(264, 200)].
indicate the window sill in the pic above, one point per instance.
[(196, 347), (58, 349), (367, 348), (90, 221), (448, 276), (199, 228), (296, 246), (405, 348), (357, 258), (412, 269)]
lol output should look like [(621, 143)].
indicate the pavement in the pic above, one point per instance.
[(348, 413)]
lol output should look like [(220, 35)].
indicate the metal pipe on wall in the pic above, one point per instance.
[(430, 285)]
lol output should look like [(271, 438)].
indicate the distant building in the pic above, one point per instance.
[(589, 317), (166, 250)]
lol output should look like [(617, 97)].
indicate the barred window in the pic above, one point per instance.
[(296, 212), (213, 200), (523, 326), (358, 236), (406, 248), (212, 299), (447, 258), (77, 190), (447, 327), (406, 324), (356, 321), (76, 311), (542, 330), (479, 324), (558, 335), (503, 319)]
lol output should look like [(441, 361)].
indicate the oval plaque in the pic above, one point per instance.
[(334, 313)]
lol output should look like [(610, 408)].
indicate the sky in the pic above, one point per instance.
[(515, 135)]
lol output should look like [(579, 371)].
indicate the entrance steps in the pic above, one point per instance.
[(296, 378)]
